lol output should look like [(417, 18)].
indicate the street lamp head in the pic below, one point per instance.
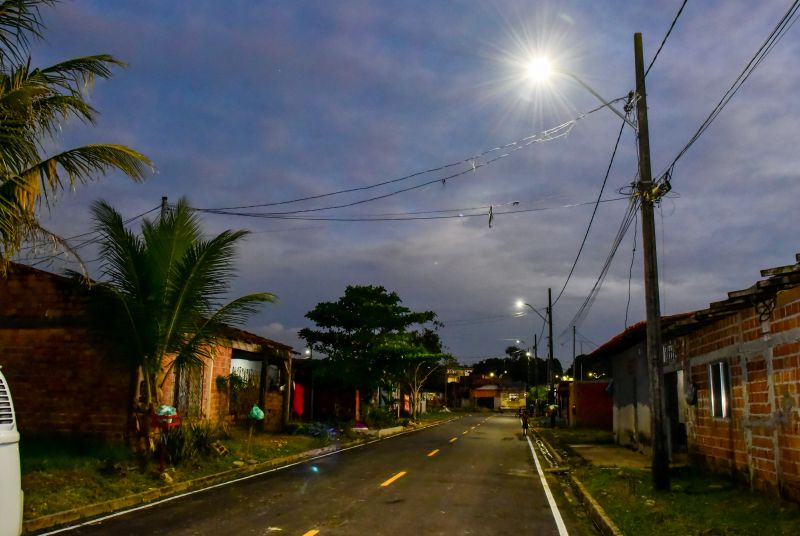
[(520, 304), (308, 351), (539, 69)]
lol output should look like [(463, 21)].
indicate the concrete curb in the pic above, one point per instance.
[(85, 513), (595, 512)]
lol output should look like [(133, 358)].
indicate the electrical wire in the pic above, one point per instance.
[(583, 310), (666, 36), (630, 270), (44, 258), (596, 205), (781, 28), (483, 320), (400, 217), (472, 163), (562, 130)]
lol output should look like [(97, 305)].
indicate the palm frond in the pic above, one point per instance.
[(19, 21), (77, 74), (122, 251)]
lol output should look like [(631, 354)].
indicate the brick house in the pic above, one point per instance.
[(65, 379), (732, 379)]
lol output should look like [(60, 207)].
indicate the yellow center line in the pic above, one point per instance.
[(472, 428), (464, 432), (312, 532), (395, 477), (433, 453), (454, 440)]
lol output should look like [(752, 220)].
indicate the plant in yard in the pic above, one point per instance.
[(34, 105), (161, 296)]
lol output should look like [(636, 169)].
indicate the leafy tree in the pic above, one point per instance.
[(420, 359), (34, 105), (363, 334), (162, 293)]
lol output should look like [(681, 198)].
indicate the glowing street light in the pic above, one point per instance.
[(540, 70)]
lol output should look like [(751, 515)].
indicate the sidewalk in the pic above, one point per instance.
[(612, 456)]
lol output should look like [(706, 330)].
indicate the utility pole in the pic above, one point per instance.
[(647, 195), (550, 372), (574, 375), (164, 206), (535, 372)]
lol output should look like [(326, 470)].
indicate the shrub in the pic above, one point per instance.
[(377, 417), (190, 441)]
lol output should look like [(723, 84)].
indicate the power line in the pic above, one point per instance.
[(400, 216), (472, 162), (630, 271), (666, 36), (583, 310), (558, 132), (44, 258), (483, 320), (597, 203), (784, 24)]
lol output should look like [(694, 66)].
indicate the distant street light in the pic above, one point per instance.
[(549, 321)]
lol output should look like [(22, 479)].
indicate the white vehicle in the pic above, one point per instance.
[(10, 483)]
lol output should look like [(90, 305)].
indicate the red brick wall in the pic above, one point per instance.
[(760, 442), (62, 378), (213, 402)]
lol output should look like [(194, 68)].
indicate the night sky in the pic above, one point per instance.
[(244, 103)]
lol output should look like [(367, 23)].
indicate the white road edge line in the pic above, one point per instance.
[(221, 484), (562, 529), (228, 482)]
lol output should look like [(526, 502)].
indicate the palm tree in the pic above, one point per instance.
[(161, 295), (34, 104)]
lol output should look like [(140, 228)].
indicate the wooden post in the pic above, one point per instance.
[(660, 466), (287, 395)]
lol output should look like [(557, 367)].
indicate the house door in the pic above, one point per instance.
[(675, 429), (189, 392)]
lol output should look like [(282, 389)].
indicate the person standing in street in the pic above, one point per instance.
[(524, 422)]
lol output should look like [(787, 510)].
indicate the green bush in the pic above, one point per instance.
[(190, 441), (377, 417)]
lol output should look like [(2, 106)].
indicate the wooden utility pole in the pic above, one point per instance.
[(164, 206), (550, 368), (647, 195), (574, 374)]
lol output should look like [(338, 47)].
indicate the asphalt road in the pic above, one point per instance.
[(474, 475)]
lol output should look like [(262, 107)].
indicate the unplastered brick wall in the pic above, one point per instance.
[(212, 402), (759, 440), (63, 378)]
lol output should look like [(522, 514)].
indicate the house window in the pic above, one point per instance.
[(720, 382), (668, 353)]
